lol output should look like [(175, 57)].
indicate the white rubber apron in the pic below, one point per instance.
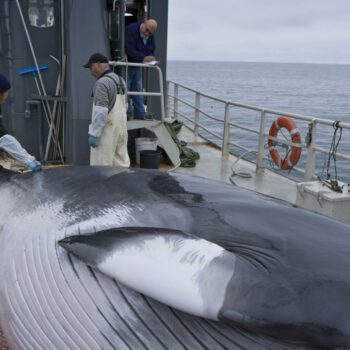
[(112, 145)]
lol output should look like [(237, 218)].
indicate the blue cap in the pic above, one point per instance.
[(96, 58), (4, 84)]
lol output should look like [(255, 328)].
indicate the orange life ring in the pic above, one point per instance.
[(294, 155)]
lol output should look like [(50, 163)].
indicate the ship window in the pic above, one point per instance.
[(41, 13)]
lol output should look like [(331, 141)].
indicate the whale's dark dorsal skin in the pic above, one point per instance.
[(246, 271)]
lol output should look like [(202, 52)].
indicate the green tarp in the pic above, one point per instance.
[(188, 156)]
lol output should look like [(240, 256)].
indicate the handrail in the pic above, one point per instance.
[(227, 124), (270, 111), (145, 93)]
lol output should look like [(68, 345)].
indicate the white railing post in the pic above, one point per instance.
[(167, 87), (161, 88), (311, 154), (167, 100), (176, 102), (196, 114), (261, 148), (226, 139)]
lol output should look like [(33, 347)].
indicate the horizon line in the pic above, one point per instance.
[(248, 61)]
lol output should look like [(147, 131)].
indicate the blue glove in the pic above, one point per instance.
[(34, 166), (93, 141)]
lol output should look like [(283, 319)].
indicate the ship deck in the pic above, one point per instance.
[(212, 165)]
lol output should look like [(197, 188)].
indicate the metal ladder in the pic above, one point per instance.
[(156, 126)]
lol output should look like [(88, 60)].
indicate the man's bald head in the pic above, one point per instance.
[(148, 27), (152, 24)]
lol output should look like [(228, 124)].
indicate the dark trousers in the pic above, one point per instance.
[(135, 84)]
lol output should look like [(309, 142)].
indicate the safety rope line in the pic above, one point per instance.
[(289, 149), (272, 164), (332, 154), (239, 173)]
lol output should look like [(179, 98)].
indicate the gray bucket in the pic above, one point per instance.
[(149, 159)]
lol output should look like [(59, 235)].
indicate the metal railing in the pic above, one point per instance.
[(173, 103), (159, 94)]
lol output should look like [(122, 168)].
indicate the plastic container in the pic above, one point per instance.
[(142, 144), (149, 159)]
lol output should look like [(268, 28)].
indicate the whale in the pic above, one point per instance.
[(108, 258)]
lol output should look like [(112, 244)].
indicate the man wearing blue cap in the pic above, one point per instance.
[(7, 142), (108, 132)]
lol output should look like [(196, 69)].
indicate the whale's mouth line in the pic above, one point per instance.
[(259, 257)]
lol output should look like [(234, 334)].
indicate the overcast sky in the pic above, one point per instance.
[(260, 30)]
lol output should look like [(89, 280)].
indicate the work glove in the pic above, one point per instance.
[(34, 166), (93, 141)]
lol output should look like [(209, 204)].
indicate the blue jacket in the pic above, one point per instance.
[(135, 49)]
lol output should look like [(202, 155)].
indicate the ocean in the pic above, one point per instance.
[(316, 90)]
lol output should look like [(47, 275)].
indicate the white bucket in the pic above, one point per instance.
[(144, 143)]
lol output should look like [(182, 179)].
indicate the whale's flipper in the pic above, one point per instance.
[(173, 267)]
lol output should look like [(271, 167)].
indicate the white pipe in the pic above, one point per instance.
[(38, 71)]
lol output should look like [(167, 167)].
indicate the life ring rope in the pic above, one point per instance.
[(294, 153)]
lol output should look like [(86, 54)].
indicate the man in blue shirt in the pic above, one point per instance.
[(139, 47)]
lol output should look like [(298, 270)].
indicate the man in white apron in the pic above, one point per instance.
[(108, 134)]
